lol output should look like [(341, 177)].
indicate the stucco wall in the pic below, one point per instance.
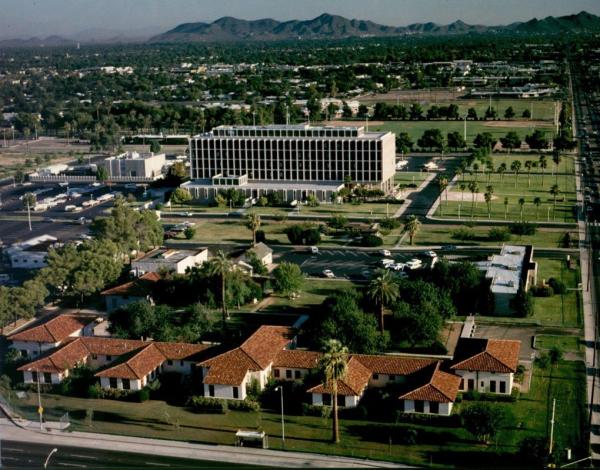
[(481, 381)]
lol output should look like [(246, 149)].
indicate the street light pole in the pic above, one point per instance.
[(40, 409), (282, 420), (52, 452)]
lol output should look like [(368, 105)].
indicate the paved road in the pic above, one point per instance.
[(24, 456)]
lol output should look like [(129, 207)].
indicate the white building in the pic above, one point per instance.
[(134, 167), (30, 254), (167, 259)]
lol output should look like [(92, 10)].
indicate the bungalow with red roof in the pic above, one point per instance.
[(486, 365), (49, 332), (140, 289), (229, 375)]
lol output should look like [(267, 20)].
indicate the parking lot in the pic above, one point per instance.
[(347, 264)]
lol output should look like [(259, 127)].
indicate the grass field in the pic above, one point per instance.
[(431, 234), (498, 129), (442, 446), (410, 177), (565, 343), (558, 310)]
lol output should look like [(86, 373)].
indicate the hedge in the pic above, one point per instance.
[(201, 404)]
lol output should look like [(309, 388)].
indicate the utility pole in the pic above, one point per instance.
[(40, 409), (552, 427), (29, 222)]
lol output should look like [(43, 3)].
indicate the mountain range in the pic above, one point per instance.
[(325, 26), (328, 26)]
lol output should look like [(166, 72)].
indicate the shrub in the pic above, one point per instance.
[(243, 405), (557, 285), (452, 421), (316, 410), (523, 228), (114, 393), (499, 234), (463, 234), (543, 291), (371, 240), (143, 395), (492, 397), (200, 404), (389, 223), (261, 236)]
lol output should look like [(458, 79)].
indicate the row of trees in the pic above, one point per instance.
[(415, 112)]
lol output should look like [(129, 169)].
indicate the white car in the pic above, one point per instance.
[(414, 263), (398, 266), (328, 273), (385, 253), (431, 254), (387, 261), (314, 250)]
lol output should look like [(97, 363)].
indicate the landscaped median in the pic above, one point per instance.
[(418, 440)]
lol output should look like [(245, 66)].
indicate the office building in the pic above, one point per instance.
[(134, 166), (292, 160)]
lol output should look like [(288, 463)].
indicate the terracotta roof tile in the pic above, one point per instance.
[(439, 386), (140, 287), (487, 355), (52, 330), (111, 346), (393, 365), (135, 365), (181, 351), (229, 368), (297, 359), (64, 357), (353, 384), (266, 342)]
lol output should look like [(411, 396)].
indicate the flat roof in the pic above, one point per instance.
[(274, 185), (168, 255), (505, 269)]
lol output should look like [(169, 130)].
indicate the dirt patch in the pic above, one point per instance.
[(456, 196), (518, 124)]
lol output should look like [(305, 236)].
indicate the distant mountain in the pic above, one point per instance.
[(328, 26), (50, 41)]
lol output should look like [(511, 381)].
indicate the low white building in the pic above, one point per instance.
[(134, 167), (167, 259), (32, 253)]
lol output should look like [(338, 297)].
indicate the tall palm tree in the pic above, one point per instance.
[(529, 166), (334, 366), (505, 207), (537, 202), (442, 182), (462, 187), (411, 227), (475, 169), (543, 163), (555, 191), (253, 223), (221, 266), (488, 200), (556, 158), (489, 165), (474, 188), (501, 170), (515, 166), (521, 205), (383, 289)]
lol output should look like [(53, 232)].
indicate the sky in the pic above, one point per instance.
[(26, 18)]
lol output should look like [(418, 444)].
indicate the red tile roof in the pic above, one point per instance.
[(297, 359), (140, 287), (111, 346), (487, 355), (266, 342), (440, 387), (181, 351), (393, 365), (52, 329), (135, 365), (64, 357), (353, 384)]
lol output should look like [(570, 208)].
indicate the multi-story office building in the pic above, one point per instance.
[(134, 166), (295, 160)]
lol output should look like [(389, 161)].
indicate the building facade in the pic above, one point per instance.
[(134, 166), (295, 161)]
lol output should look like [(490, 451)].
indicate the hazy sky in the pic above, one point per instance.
[(20, 18)]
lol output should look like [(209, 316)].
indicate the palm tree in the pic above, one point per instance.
[(501, 170), (411, 227), (221, 266), (556, 159), (515, 166), (383, 290), (489, 164), (537, 202), (253, 223), (442, 182), (488, 200), (475, 169), (505, 207), (462, 187), (543, 163), (555, 191), (529, 166), (334, 366), (521, 204), (458, 172), (474, 188)]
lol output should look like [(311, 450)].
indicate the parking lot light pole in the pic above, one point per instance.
[(280, 388), (52, 452)]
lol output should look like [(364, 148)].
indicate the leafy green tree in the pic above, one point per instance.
[(101, 174), (334, 367), (287, 278), (338, 222), (154, 146), (258, 267), (523, 303), (404, 143), (383, 289), (189, 233), (253, 224), (537, 140), (432, 139), (180, 196), (482, 420), (472, 114), (509, 113), (511, 141), (456, 140), (417, 326), (412, 226), (416, 112), (533, 452), (484, 140), (526, 114)]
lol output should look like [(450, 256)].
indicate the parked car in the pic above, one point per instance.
[(385, 253), (328, 273), (449, 247), (431, 254), (314, 250), (387, 261), (414, 263)]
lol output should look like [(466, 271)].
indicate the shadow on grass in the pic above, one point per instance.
[(397, 433)]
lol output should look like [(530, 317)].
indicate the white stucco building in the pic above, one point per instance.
[(168, 259), (30, 254)]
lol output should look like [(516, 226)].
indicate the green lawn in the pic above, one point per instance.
[(442, 446), (410, 177), (498, 129), (565, 343), (558, 310), (431, 234)]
